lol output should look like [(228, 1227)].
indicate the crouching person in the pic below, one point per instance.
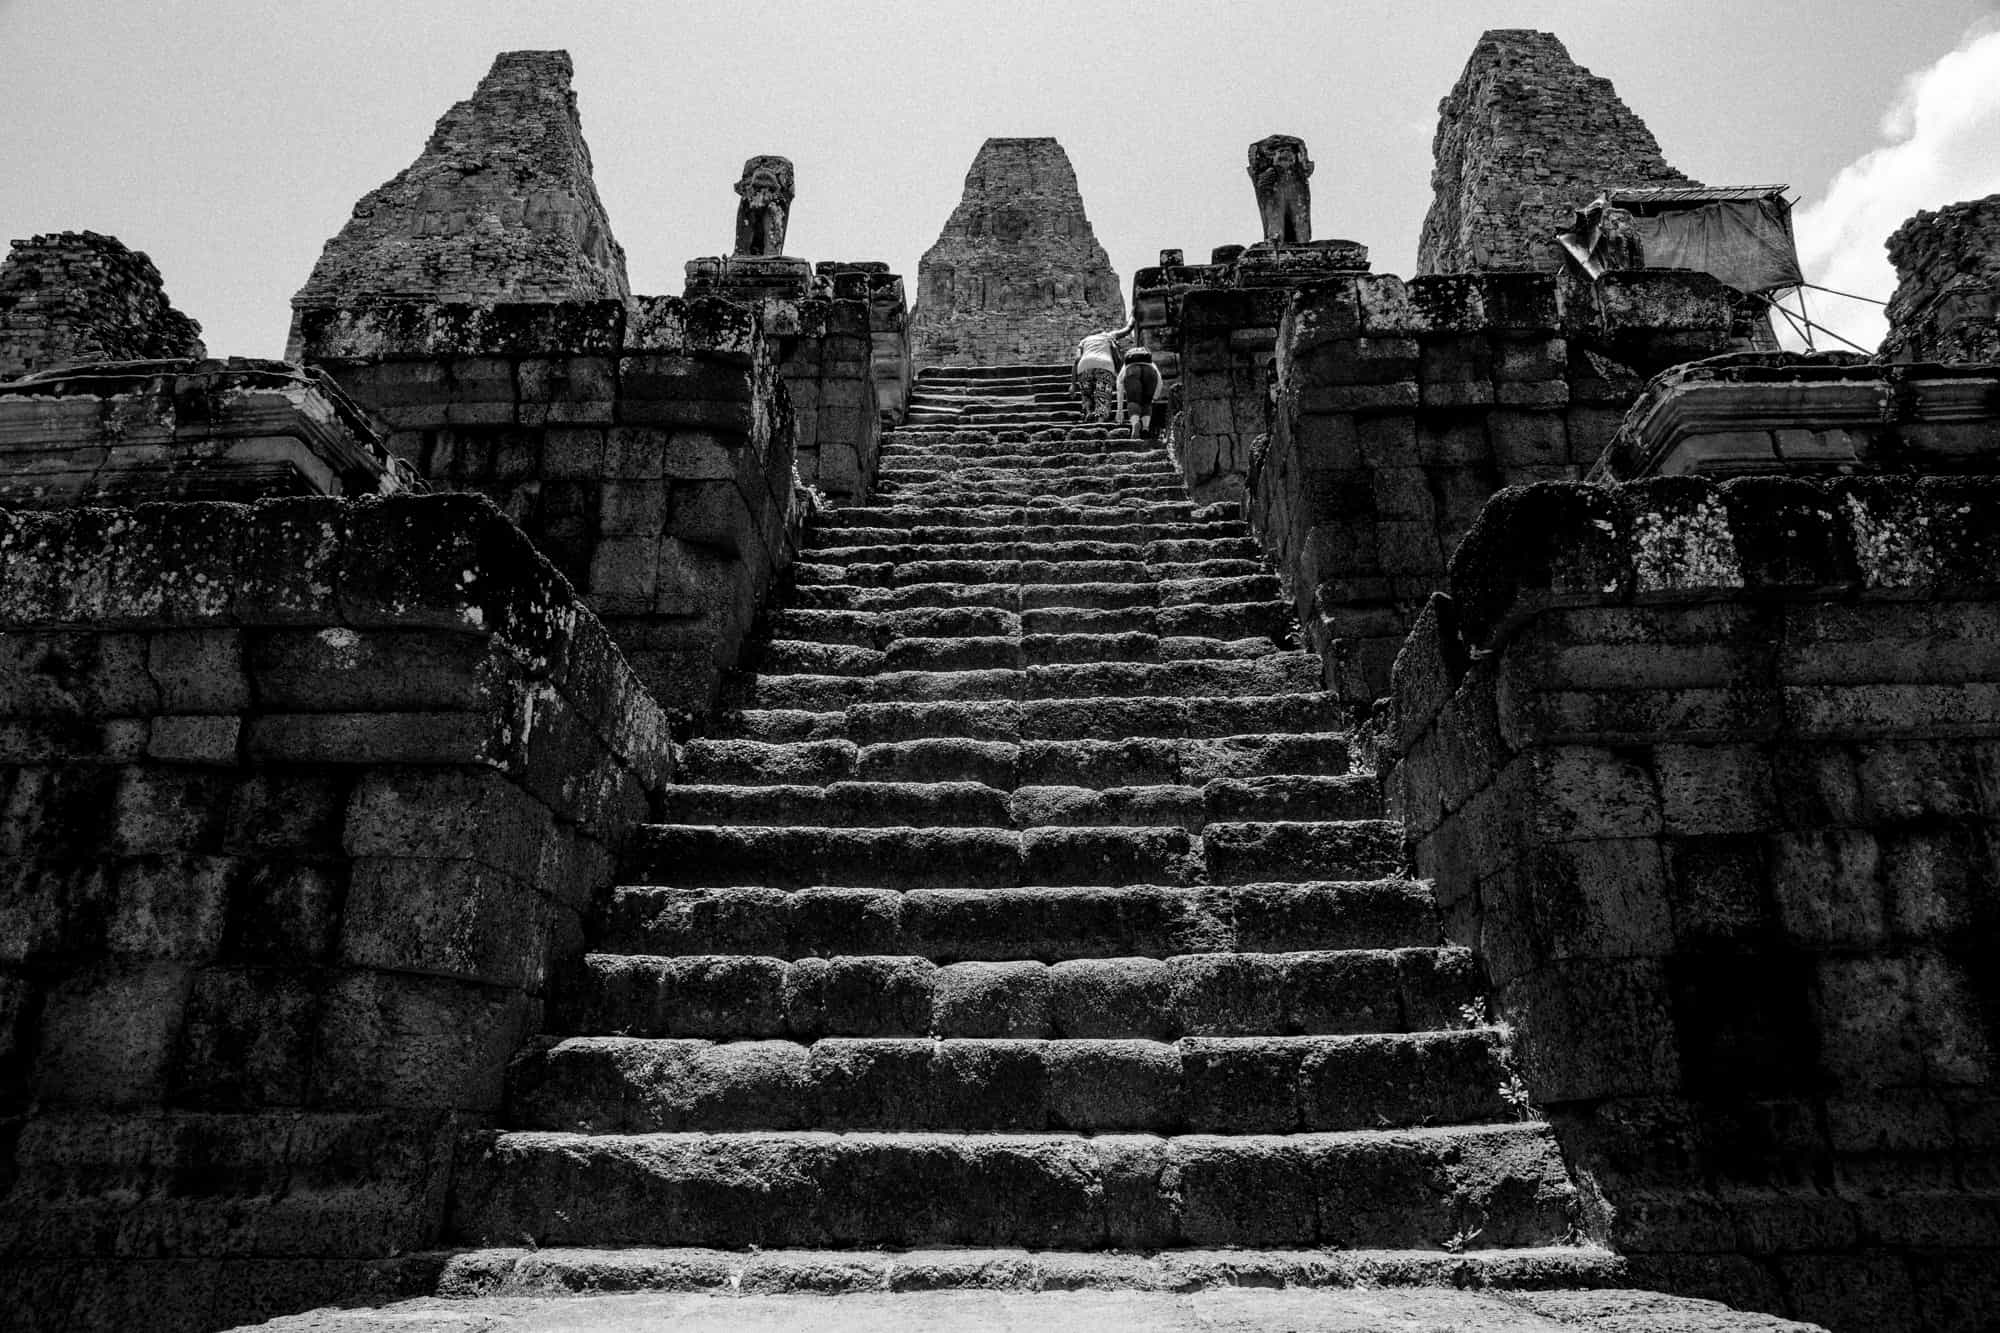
[(1138, 386)]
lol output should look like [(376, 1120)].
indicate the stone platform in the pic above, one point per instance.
[(1408, 1310)]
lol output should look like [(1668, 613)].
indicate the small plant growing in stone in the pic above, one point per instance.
[(1515, 1093), (1472, 1013), (1461, 1238)]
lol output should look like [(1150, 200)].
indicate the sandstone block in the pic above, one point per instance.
[(108, 1034), (400, 1041)]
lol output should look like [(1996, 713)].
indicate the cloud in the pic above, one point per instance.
[(1941, 133)]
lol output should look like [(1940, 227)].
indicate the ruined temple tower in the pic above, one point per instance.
[(500, 206), (1017, 274), (1524, 137)]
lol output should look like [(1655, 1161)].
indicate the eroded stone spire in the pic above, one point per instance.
[(79, 296), (1526, 136), (1017, 275), (499, 206)]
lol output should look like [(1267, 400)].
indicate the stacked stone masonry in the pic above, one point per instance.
[(1403, 406), (1819, 413), (1024, 914), (1526, 137), (134, 431), (305, 801), (77, 296), (1017, 275), (1707, 774), (645, 446), (1947, 301), (1213, 329), (1027, 895), (839, 340), (499, 206)]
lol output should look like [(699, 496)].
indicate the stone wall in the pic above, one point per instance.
[(499, 206), (888, 328), (825, 354), (646, 447), (1524, 137), (1947, 301), (77, 296), (1226, 354), (1822, 412), (304, 801), (1212, 329), (1017, 275), (838, 340), (132, 431), (1403, 406), (1707, 773)]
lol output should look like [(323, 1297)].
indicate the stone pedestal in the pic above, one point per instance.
[(1831, 413), (749, 278), (128, 432), (1276, 264)]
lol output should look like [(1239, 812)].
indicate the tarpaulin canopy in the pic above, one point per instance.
[(1742, 237)]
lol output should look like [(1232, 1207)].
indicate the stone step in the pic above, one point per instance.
[(1007, 651), (969, 804), (820, 541), (1197, 1085), (997, 925), (996, 415), (964, 442), (1010, 764), (1486, 1186), (743, 997), (1075, 491), (1010, 549), (1106, 470), (1210, 574), (933, 515), (1015, 593), (1229, 622), (1024, 402), (914, 857), (1306, 1290), (935, 433), (1028, 389), (951, 374), (1023, 457), (1162, 597), (1041, 719), (1275, 673)]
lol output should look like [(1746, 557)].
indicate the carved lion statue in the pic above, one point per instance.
[(1278, 169), (764, 206)]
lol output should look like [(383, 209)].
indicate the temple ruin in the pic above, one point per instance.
[(1017, 274), (499, 206), (1526, 136), (554, 798)]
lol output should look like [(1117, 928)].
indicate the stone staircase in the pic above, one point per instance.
[(1026, 922)]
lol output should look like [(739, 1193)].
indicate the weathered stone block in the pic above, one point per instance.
[(247, 1040), (447, 814), (392, 1040), (445, 918), (1602, 1028), (108, 1034)]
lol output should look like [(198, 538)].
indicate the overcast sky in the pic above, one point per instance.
[(230, 138)]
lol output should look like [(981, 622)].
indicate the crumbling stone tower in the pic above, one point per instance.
[(1947, 301), (500, 206), (1017, 274), (1524, 136), (78, 296)]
